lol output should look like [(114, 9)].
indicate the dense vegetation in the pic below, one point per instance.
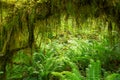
[(59, 40)]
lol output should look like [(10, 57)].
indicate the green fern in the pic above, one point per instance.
[(69, 75), (93, 71), (66, 75), (113, 76)]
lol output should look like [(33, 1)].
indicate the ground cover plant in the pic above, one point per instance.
[(59, 40)]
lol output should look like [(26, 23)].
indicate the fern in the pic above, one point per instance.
[(69, 75), (75, 71), (113, 76), (66, 75), (93, 71)]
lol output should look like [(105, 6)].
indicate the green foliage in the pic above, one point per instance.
[(74, 74), (113, 76), (1, 72), (63, 53), (93, 72)]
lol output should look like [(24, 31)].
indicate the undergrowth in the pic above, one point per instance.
[(73, 59), (66, 53)]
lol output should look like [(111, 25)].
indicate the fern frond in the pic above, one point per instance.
[(93, 71)]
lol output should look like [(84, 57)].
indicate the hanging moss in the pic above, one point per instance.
[(44, 16)]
